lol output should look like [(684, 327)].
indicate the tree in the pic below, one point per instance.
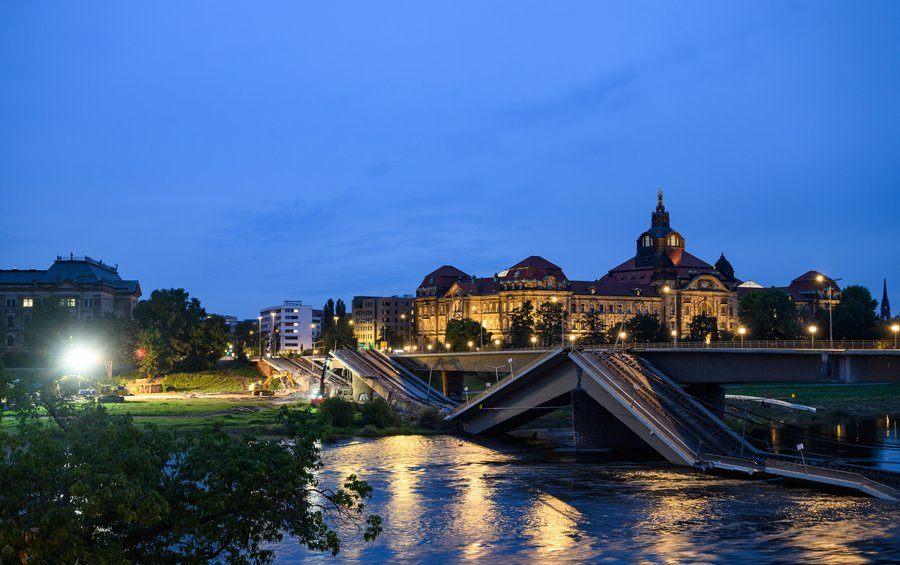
[(703, 327), (92, 487), (460, 332), (854, 317), (245, 340), (646, 328), (176, 332), (336, 333), (548, 323), (595, 328), (769, 314), (50, 326), (387, 335), (521, 325)]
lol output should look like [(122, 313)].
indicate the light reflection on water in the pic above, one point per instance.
[(446, 499)]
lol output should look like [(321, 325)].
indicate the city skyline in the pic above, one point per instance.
[(308, 153)]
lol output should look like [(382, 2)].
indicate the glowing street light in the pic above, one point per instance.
[(742, 330), (533, 341), (447, 345), (895, 328), (812, 333), (470, 344)]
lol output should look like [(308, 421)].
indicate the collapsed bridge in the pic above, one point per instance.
[(620, 401)]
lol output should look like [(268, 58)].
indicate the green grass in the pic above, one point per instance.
[(206, 381), (824, 394), (180, 407)]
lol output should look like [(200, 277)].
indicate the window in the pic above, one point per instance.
[(67, 302), (646, 241), (27, 302), (10, 341), (88, 302), (10, 302), (11, 321)]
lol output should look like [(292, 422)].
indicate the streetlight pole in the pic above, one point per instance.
[(272, 334), (812, 333), (821, 278), (895, 328)]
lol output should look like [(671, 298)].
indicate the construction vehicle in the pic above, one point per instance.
[(279, 380), (111, 394)]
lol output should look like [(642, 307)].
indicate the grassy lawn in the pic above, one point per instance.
[(837, 399)]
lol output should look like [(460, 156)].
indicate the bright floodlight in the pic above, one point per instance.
[(78, 357), (895, 328)]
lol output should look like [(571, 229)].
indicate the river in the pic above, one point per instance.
[(449, 499)]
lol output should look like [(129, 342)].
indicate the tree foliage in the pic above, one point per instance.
[(336, 333), (549, 320), (854, 317), (703, 327), (460, 332), (521, 325), (769, 314), (245, 340), (175, 332), (646, 328), (595, 328), (87, 486)]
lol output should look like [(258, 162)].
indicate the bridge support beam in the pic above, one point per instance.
[(596, 428), (711, 396)]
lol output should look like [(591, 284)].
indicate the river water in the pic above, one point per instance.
[(449, 499)]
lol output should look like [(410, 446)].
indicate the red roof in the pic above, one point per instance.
[(444, 277), (533, 268)]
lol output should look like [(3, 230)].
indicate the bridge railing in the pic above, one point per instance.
[(795, 344)]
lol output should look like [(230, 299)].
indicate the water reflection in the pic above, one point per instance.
[(445, 499)]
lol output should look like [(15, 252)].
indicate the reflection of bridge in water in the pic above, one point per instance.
[(621, 401)]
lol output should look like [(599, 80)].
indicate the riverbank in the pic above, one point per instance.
[(831, 401)]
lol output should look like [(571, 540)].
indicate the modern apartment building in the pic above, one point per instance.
[(289, 327), (384, 321)]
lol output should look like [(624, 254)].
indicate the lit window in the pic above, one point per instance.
[(27, 302)]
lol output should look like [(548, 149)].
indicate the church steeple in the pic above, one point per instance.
[(660, 217), (885, 304)]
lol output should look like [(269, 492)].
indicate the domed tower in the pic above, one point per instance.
[(660, 246)]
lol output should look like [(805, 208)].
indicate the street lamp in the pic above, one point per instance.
[(812, 333), (497, 343), (470, 344), (572, 339), (895, 328), (666, 290), (821, 278), (272, 333), (533, 341), (447, 345), (742, 330)]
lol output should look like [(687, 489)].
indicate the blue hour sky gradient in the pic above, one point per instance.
[(262, 151)]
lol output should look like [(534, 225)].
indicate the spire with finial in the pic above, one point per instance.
[(885, 304), (660, 217)]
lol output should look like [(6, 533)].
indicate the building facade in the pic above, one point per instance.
[(661, 279), (384, 321), (87, 288), (289, 327)]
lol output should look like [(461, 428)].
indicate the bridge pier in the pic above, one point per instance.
[(360, 387), (711, 396), (596, 428), (452, 382)]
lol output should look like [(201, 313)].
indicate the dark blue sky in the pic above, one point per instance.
[(253, 152)]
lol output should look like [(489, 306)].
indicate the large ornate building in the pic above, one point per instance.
[(87, 288), (662, 278)]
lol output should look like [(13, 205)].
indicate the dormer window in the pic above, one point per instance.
[(673, 241), (646, 241)]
